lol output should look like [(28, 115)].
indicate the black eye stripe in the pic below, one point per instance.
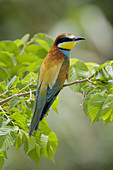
[(63, 39)]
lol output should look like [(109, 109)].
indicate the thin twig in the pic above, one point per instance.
[(4, 93), (2, 109), (24, 45), (18, 95), (78, 81), (34, 91), (25, 87)]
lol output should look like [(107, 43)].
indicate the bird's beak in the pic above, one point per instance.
[(78, 38)]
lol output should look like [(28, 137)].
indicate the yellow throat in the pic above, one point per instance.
[(67, 45)]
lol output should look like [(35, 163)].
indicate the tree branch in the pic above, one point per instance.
[(18, 95), (78, 81), (34, 91)]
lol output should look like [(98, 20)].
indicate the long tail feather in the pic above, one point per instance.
[(35, 118), (40, 102)]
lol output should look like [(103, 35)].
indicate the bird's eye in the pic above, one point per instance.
[(63, 39)]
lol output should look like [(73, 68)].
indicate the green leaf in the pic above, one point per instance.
[(18, 42), (1, 121), (1, 161), (55, 104), (36, 50), (44, 40), (99, 75), (95, 105), (29, 104), (3, 85), (32, 149), (3, 74), (6, 59), (13, 71), (7, 137), (27, 58), (73, 61), (44, 142), (105, 73), (22, 72), (35, 154), (20, 139), (78, 71), (22, 125), (29, 144), (87, 98), (49, 144), (52, 144), (25, 38), (110, 82), (14, 101), (109, 70), (37, 134), (20, 85), (9, 47), (3, 154), (4, 122), (2, 64), (1, 90), (107, 109), (34, 66), (111, 90), (11, 82), (44, 127), (29, 77), (19, 117), (92, 67)]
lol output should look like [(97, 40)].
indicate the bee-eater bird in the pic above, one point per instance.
[(53, 72)]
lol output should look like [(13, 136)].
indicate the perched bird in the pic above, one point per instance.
[(53, 72)]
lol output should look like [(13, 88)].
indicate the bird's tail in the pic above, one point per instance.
[(37, 111), (41, 106), (35, 118)]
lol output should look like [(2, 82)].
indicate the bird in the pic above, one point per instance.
[(53, 72)]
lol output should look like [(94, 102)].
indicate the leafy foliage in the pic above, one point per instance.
[(78, 71), (97, 92), (19, 65)]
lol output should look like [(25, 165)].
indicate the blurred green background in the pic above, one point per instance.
[(81, 146)]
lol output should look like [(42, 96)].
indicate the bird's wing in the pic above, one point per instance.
[(49, 72), (49, 85), (54, 91)]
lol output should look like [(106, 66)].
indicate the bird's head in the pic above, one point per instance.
[(67, 41)]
